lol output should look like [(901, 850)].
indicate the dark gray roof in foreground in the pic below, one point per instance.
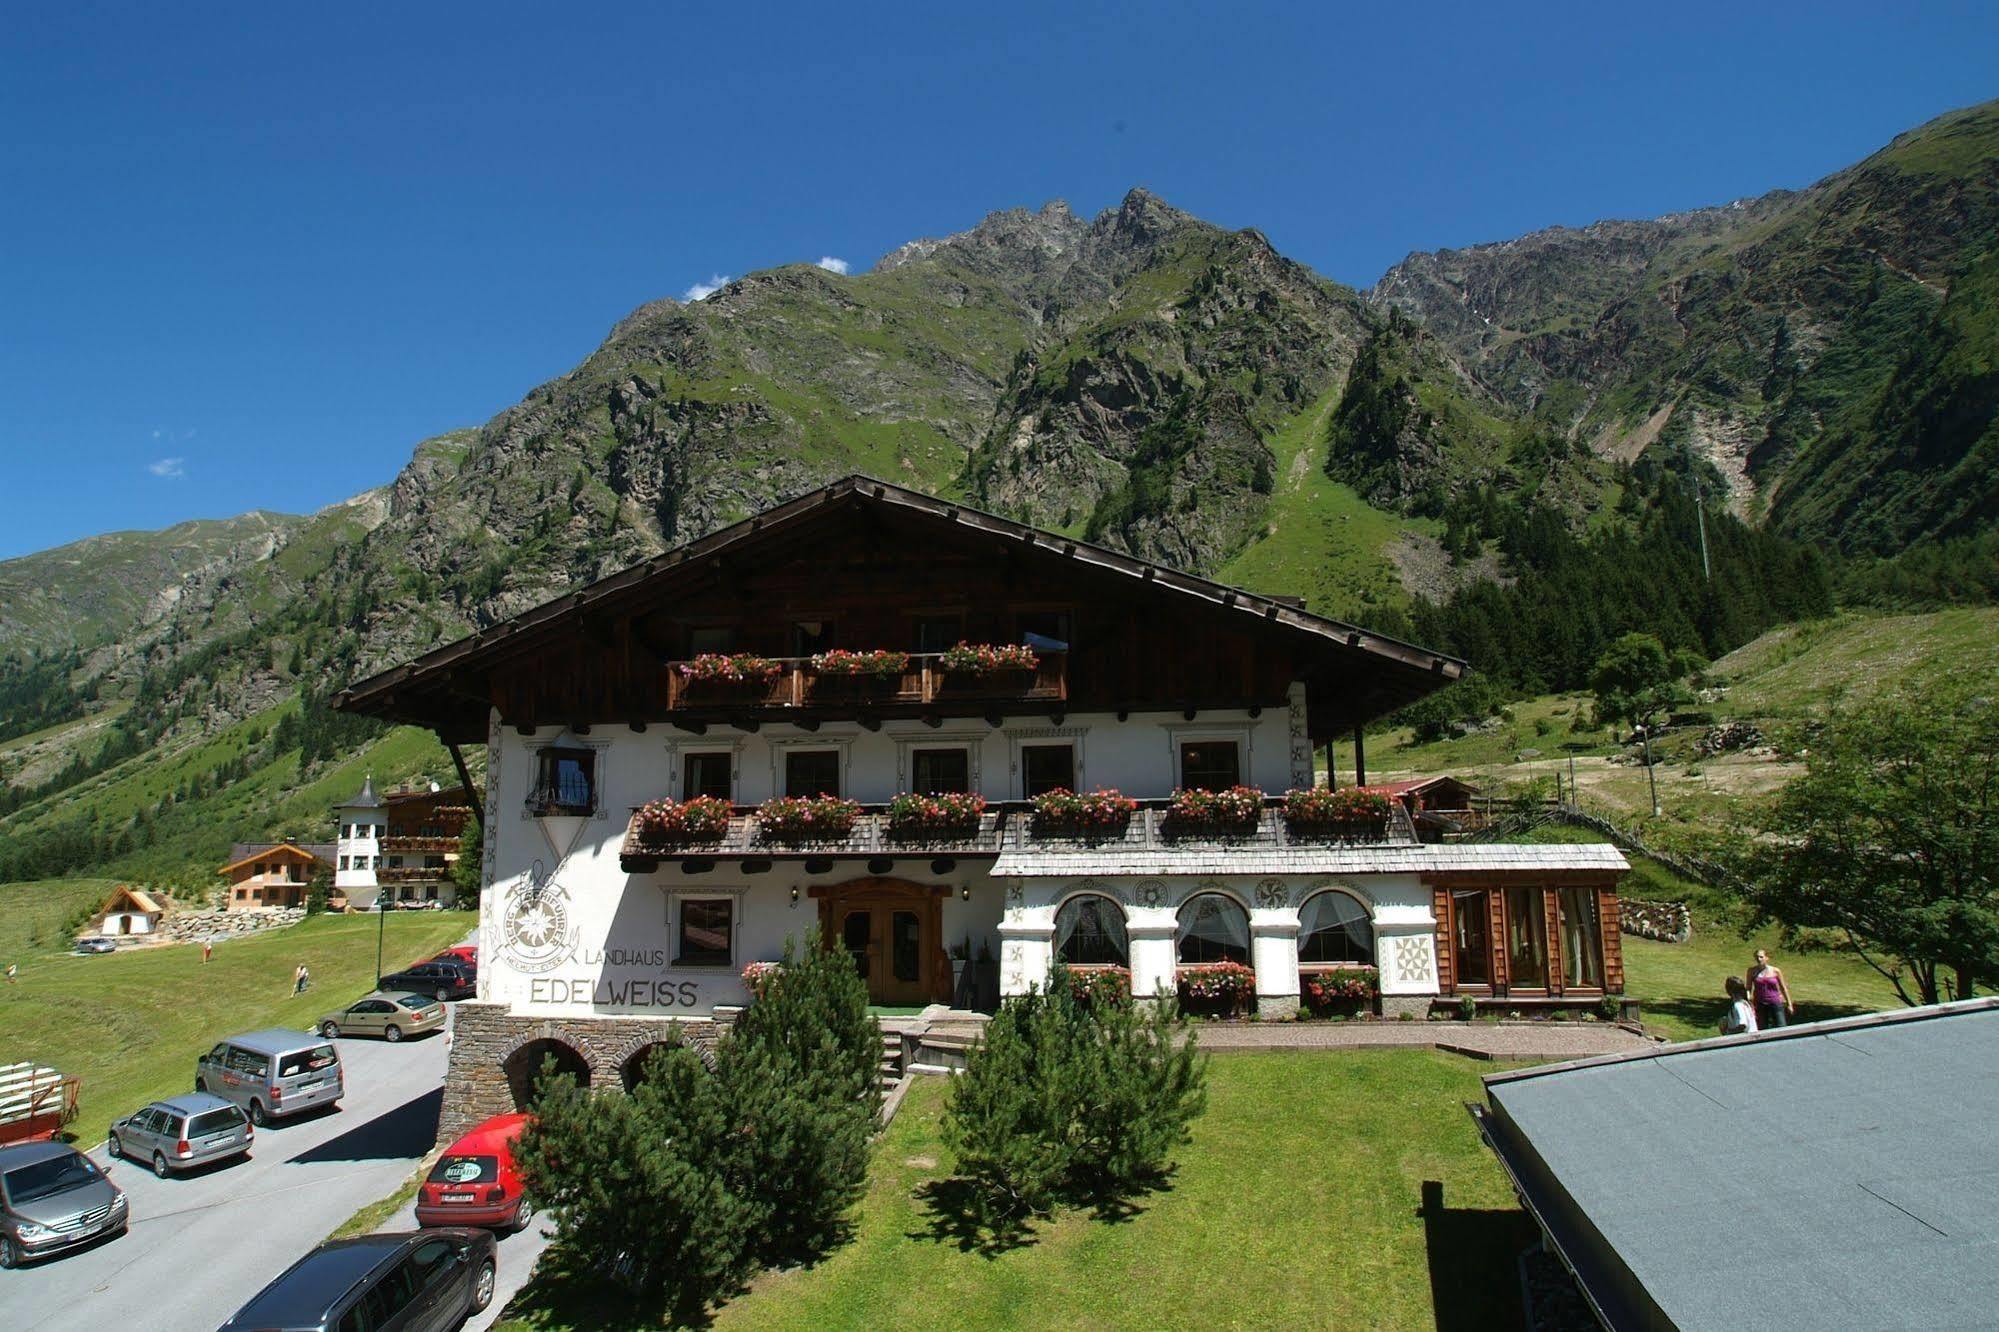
[(1836, 1174)]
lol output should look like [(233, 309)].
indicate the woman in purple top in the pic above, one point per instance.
[(1772, 996)]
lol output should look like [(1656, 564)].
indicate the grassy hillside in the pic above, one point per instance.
[(132, 1023)]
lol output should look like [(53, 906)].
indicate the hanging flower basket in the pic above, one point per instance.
[(1216, 987), (954, 815), (1352, 813), (1231, 813), (987, 658), (1342, 990), (1064, 813), (807, 818), (736, 668), (683, 822), (874, 664)]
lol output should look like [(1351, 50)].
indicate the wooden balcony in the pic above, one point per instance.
[(400, 874), (412, 845), (924, 685)]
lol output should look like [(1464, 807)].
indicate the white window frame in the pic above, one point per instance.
[(781, 746), (676, 764), (677, 897), (1206, 733), (906, 746), (1073, 736)]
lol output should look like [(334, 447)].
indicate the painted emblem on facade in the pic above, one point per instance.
[(1270, 893), (536, 931), (1412, 959), (1151, 893)]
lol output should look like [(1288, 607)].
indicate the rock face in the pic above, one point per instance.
[(1818, 348)]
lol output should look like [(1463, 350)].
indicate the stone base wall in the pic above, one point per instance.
[(1277, 1007), (1393, 1006), (1668, 922), (484, 1036)]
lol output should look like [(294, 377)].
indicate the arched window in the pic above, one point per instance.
[(1089, 932), (1213, 928), (1333, 927)]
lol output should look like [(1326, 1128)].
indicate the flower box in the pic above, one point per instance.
[(682, 822), (987, 658), (874, 664), (1101, 984), (807, 818), (1231, 813), (758, 977), (1064, 813), (1216, 987), (726, 668), (952, 814), (1341, 990), (1351, 813)]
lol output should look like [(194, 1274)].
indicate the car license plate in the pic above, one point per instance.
[(456, 1197)]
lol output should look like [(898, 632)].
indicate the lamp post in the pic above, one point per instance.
[(381, 923), (1645, 735)]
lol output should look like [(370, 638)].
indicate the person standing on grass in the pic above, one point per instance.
[(10, 973), (300, 977), (207, 947), (1741, 1015), (1772, 995)]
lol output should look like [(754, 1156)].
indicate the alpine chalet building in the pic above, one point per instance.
[(839, 715)]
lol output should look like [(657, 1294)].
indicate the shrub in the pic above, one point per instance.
[(730, 668), (1467, 1008), (879, 663), (807, 818), (1064, 811), (984, 658), (952, 813), (1065, 1101), (1611, 1007), (674, 822), (1234, 811)]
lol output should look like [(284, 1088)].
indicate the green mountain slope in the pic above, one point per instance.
[(1792, 340)]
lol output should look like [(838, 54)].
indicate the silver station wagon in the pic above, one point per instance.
[(181, 1132), (272, 1073), (53, 1197), (389, 1014)]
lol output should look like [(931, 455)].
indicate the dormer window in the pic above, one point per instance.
[(565, 782)]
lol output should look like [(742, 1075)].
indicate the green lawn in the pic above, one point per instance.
[(131, 1023), (1299, 1202), (1680, 985)]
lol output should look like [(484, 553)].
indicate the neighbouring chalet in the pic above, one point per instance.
[(398, 847), (865, 642), (127, 911), (271, 874)]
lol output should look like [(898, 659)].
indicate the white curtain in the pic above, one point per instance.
[(1213, 928), (1335, 928), (1089, 931)]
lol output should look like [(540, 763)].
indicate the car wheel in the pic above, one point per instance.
[(257, 1114), (393, 1034), (113, 1148), (10, 1254), (160, 1166), (329, 1030), (482, 1287), (443, 996), (523, 1215)]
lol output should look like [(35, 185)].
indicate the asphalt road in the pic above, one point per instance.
[(201, 1245)]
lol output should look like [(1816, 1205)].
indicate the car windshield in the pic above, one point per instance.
[(43, 1179), (415, 1002), (307, 1061), (214, 1121), (466, 1170)]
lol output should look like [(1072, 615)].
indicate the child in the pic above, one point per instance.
[(1740, 1017)]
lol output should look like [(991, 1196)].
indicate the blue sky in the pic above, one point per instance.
[(250, 258)]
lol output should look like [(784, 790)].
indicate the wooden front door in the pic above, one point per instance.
[(893, 930)]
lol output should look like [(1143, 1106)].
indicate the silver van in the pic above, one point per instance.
[(272, 1073), (180, 1132)]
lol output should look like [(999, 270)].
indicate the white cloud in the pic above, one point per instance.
[(701, 291), (832, 265), (171, 468)]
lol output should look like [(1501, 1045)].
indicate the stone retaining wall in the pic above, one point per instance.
[(478, 1084), (1668, 922), (188, 926)]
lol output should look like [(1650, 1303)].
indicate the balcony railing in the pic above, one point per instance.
[(408, 845), (925, 682), (412, 874)]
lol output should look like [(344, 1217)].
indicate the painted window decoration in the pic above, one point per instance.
[(1210, 765), (1213, 928), (705, 930), (1335, 928), (1582, 939), (1089, 932), (565, 782)]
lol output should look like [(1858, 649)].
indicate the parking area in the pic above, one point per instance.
[(201, 1245)]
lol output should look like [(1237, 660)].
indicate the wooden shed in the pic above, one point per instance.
[(128, 911)]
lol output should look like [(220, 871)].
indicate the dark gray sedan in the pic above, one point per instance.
[(421, 1281), (180, 1132), (53, 1197)]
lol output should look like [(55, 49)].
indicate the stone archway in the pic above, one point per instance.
[(527, 1065)]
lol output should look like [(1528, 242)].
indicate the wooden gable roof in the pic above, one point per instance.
[(275, 850), (1352, 675), (127, 898)]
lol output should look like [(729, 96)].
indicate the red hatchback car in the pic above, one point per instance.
[(466, 953), (475, 1183)]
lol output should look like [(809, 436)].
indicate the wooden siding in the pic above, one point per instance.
[(1613, 940), (1447, 953)]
